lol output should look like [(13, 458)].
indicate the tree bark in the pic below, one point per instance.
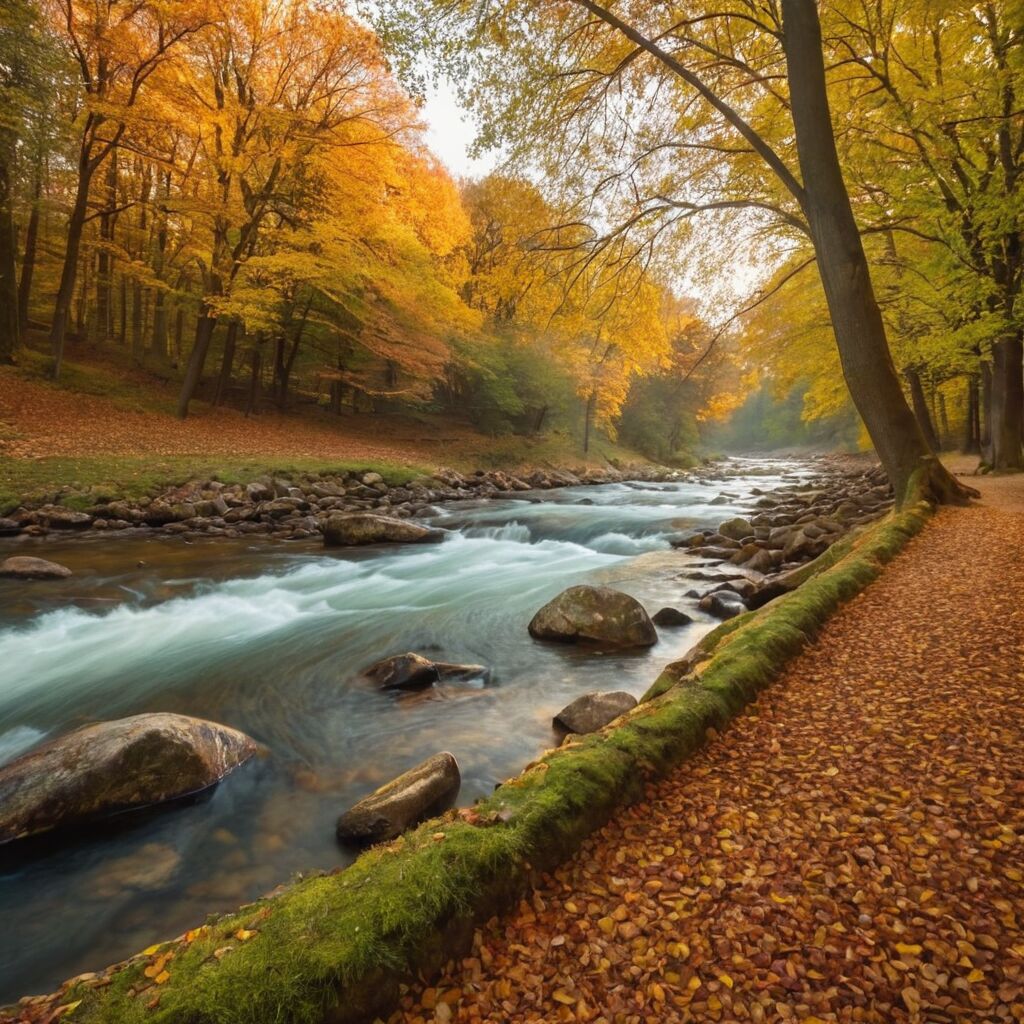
[(28, 263), (971, 444), (985, 436), (69, 272), (10, 328), (197, 359), (105, 258), (856, 319), (1007, 402), (924, 419), (588, 415)]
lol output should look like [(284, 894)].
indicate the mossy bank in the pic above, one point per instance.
[(336, 948)]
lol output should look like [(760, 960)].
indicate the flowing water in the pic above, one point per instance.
[(270, 638)]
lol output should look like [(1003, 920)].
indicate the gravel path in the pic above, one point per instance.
[(851, 849)]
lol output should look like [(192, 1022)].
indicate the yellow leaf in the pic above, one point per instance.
[(832, 771), (150, 950), (776, 898), (976, 975), (907, 947), (243, 934), (607, 925), (162, 977), (725, 980), (561, 996)]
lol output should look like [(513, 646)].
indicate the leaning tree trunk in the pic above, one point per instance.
[(856, 319), (921, 412), (196, 360), (1007, 402)]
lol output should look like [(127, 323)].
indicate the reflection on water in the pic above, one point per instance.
[(270, 638)]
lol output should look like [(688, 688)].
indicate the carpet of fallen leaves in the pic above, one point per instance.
[(39, 419), (851, 849)]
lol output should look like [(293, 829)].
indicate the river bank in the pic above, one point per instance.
[(270, 638)]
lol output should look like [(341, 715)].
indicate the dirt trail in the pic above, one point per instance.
[(851, 849)]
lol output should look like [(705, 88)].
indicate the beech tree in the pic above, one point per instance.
[(737, 91)]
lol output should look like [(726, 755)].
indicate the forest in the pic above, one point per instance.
[(511, 510)]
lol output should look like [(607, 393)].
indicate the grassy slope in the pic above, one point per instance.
[(93, 394), (335, 947)]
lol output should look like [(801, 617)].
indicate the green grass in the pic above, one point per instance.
[(338, 946), (88, 480)]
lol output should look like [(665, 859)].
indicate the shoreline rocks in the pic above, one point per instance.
[(596, 615), (593, 711), (111, 767), (25, 567), (398, 805), (357, 528)]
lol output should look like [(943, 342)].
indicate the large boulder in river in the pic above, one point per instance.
[(597, 615), (367, 528), (110, 767), (415, 795), (594, 711), (24, 567)]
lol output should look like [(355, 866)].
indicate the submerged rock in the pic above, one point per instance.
[(24, 567), (365, 528), (723, 604), (594, 614), (413, 796), (593, 711), (109, 767), (412, 671), (671, 617)]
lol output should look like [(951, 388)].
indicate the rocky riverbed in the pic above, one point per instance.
[(277, 642)]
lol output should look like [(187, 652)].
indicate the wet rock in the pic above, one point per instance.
[(413, 796), (403, 672), (58, 518), (761, 561), (723, 604), (720, 499), (24, 567), (110, 767), (366, 528), (671, 617), (594, 614), (736, 529), (593, 711), (9, 526)]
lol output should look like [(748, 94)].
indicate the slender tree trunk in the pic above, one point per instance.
[(921, 407), (69, 272), (254, 380), (971, 444), (856, 319), (226, 363), (986, 409), (179, 331), (197, 359), (335, 400), (1007, 402), (105, 258), (122, 334), (943, 420), (158, 341), (28, 263), (10, 329), (588, 415), (138, 306)]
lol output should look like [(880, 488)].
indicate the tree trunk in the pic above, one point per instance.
[(10, 330), (179, 330), (335, 400), (69, 272), (28, 263), (856, 319), (105, 258), (588, 415), (158, 340), (971, 445), (197, 359), (254, 381), (226, 364), (921, 407), (1007, 402), (943, 420), (986, 409)]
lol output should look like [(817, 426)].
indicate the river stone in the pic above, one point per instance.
[(736, 529), (403, 672), (413, 796), (596, 614), (366, 528), (724, 604), (109, 767), (593, 711), (24, 567), (671, 617)]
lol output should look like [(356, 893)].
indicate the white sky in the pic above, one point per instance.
[(450, 133)]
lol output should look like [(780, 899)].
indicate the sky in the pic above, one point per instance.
[(450, 132)]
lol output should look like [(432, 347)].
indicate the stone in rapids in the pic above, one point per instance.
[(104, 769), (364, 528), (597, 615)]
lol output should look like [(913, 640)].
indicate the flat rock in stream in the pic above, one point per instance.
[(595, 615), (366, 528), (414, 796), (24, 567), (671, 617), (110, 767), (594, 711), (411, 671)]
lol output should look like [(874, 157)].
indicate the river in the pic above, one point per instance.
[(270, 638)]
